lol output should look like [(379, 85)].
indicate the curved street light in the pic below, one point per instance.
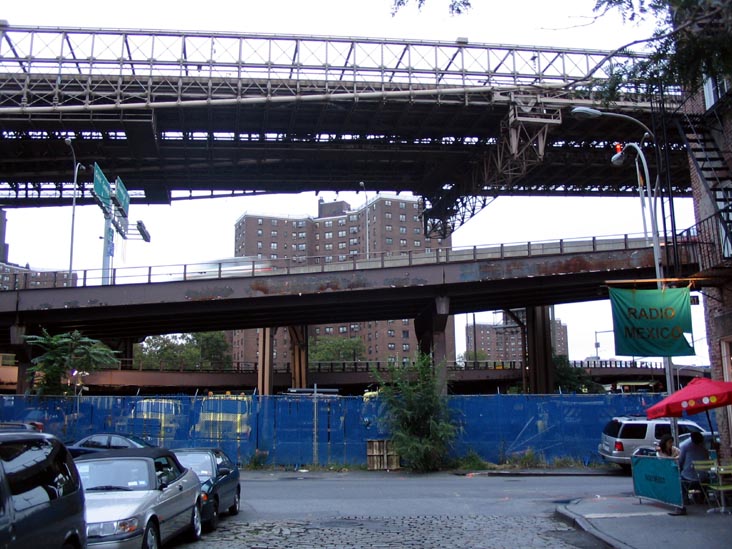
[(587, 113), (77, 167)]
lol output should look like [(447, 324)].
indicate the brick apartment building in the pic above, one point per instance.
[(505, 341), (337, 234), (14, 276)]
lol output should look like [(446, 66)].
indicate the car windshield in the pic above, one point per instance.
[(199, 462), (122, 474)]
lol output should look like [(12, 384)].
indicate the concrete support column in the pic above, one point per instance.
[(541, 365), (265, 374), (299, 352), (430, 331)]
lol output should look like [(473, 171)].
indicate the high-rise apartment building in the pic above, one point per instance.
[(504, 341), (386, 225)]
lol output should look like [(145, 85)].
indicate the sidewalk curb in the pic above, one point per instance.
[(577, 520)]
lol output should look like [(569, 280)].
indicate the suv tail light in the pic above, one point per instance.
[(619, 446)]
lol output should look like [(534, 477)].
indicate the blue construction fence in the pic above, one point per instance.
[(298, 430)]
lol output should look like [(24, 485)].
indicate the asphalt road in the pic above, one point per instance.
[(401, 509)]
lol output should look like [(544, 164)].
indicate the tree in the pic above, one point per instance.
[(569, 379), (472, 356), (64, 354), (184, 351), (417, 414), (335, 349), (693, 40)]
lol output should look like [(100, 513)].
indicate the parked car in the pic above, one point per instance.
[(21, 425), (219, 478), (623, 435), (156, 418), (101, 442), (138, 497), (42, 497)]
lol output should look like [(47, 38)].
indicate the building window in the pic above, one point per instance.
[(390, 333), (402, 230), (391, 346), (341, 234), (273, 234), (353, 217), (341, 245), (353, 230), (260, 232), (388, 228), (402, 205), (387, 202), (417, 243), (329, 235), (329, 223), (341, 222), (415, 206), (259, 245), (273, 246), (342, 329), (302, 247), (403, 242), (274, 222), (353, 241), (402, 218), (260, 221), (389, 241), (405, 321), (329, 259), (342, 257), (405, 347), (418, 230), (387, 215), (273, 256), (328, 246), (405, 334), (329, 329)]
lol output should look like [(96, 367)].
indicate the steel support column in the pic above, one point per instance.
[(299, 351), (541, 367), (265, 374), (429, 327)]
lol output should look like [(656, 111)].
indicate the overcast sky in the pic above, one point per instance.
[(198, 230)]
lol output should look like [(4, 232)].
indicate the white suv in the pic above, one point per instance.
[(623, 435)]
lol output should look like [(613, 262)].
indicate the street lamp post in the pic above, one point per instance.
[(77, 167), (651, 194), (363, 186)]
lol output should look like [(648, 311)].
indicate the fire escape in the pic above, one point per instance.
[(714, 232)]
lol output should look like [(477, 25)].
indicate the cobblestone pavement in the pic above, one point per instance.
[(398, 532)]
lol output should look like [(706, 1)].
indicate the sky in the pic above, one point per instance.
[(199, 230)]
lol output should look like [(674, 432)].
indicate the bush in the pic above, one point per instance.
[(417, 415)]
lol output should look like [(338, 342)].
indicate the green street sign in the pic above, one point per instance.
[(102, 189), (121, 198)]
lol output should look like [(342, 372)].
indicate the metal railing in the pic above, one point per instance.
[(76, 69), (363, 366), (235, 267)]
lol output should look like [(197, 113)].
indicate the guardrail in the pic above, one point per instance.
[(363, 366), (236, 267)]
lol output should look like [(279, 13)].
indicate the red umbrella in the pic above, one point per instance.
[(700, 395)]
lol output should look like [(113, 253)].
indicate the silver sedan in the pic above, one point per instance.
[(138, 498)]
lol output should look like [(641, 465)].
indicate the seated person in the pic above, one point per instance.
[(692, 450), (666, 448)]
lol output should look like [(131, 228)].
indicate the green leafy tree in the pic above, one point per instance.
[(472, 356), (184, 351), (417, 414), (62, 354), (569, 379), (692, 40), (335, 349)]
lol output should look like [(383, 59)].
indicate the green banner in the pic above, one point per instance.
[(652, 322)]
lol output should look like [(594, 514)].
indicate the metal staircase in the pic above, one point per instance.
[(716, 178)]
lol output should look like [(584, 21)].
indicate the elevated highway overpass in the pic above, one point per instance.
[(425, 287), (180, 115)]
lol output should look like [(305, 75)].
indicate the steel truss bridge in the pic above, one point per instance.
[(181, 115)]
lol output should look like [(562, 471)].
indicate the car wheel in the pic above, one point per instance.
[(213, 522), (194, 531), (234, 509), (151, 538)]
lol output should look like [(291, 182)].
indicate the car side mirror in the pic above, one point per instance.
[(223, 471)]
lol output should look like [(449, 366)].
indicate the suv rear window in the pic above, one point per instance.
[(612, 428), (634, 430)]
